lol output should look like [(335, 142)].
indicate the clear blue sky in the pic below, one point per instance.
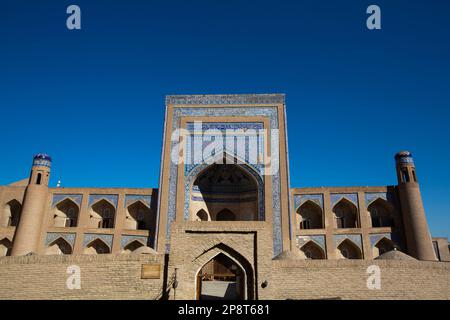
[(94, 98)]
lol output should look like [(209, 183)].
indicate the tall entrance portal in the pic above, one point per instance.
[(221, 278)]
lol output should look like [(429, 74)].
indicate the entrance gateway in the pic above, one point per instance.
[(221, 278)]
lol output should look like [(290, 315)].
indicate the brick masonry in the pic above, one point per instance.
[(102, 277), (119, 277)]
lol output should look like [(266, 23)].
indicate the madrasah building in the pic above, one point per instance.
[(223, 223)]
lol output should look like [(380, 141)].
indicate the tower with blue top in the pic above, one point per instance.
[(27, 238)]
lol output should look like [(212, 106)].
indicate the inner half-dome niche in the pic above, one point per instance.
[(224, 192)]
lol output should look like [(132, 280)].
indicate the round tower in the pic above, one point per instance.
[(28, 231), (418, 239)]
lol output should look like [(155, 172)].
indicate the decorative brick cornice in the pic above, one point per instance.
[(225, 99)]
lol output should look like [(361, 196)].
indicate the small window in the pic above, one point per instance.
[(39, 178), (414, 175), (405, 175)]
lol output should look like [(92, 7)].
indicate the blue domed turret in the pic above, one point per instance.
[(404, 157), (42, 160)]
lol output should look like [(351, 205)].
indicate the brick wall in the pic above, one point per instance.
[(102, 277), (119, 277), (347, 279)]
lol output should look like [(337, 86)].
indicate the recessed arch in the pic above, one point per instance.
[(11, 213), (345, 214), (202, 215), (234, 256), (139, 216), (59, 246), (97, 246), (246, 202), (66, 213), (311, 250), (381, 213), (347, 249), (309, 216), (102, 214), (382, 246), (5, 247), (225, 215), (132, 246)]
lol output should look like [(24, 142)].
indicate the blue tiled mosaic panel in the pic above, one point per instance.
[(58, 198), (127, 239), (373, 196), (232, 99), (42, 163), (374, 238), (336, 197), (355, 238), (52, 236), (318, 239), (106, 238), (112, 198), (130, 199), (228, 200), (193, 144), (270, 112), (406, 160), (300, 199)]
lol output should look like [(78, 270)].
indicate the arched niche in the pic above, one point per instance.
[(65, 214), (348, 250), (59, 246), (309, 216), (133, 246), (202, 215), (97, 246), (226, 186), (102, 215), (312, 250), (139, 216), (381, 214), (5, 247), (345, 214), (382, 246), (11, 213), (225, 215)]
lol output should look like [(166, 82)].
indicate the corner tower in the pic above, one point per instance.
[(29, 229), (418, 239)]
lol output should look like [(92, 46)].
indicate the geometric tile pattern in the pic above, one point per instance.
[(374, 238), (318, 239), (300, 199), (58, 198), (106, 238), (372, 196), (127, 239), (52, 236), (130, 199), (336, 197), (355, 238), (269, 112), (112, 198)]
